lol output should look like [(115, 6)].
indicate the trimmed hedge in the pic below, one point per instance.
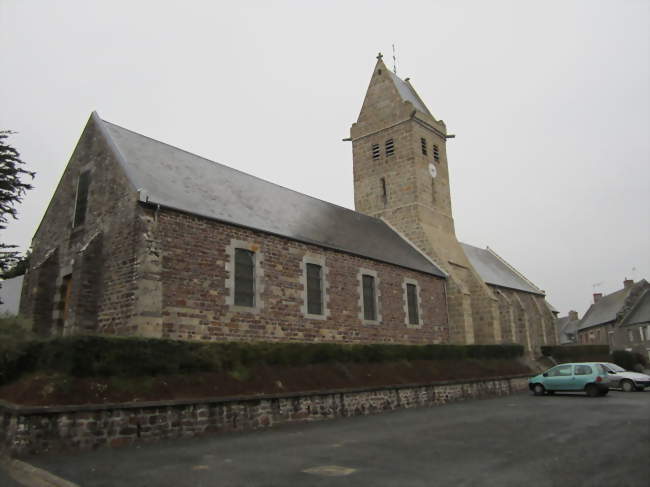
[(577, 353), (87, 356)]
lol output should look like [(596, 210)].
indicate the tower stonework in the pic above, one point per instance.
[(401, 175)]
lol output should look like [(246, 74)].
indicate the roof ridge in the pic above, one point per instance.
[(244, 173)]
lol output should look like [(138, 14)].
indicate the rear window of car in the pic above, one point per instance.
[(583, 370)]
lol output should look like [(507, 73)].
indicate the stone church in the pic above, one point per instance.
[(142, 238)]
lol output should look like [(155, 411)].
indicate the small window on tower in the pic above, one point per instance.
[(375, 151), (423, 141), (436, 153), (390, 147), (384, 192)]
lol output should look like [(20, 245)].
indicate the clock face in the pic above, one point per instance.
[(432, 170)]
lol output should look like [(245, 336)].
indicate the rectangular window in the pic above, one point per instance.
[(384, 192), (412, 302), (423, 143), (375, 151), (314, 289), (244, 278), (369, 300), (641, 334), (390, 147), (82, 198), (436, 153), (630, 336)]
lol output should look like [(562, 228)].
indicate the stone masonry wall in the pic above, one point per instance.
[(197, 263), (39, 430), (98, 256)]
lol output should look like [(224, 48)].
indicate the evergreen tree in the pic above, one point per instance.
[(12, 190)]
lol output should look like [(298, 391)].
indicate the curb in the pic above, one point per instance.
[(31, 476)]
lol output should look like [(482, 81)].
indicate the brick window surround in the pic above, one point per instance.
[(258, 287), (360, 274), (316, 260), (418, 294)]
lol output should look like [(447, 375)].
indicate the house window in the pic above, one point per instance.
[(630, 335), (423, 143), (436, 153), (82, 199), (369, 298), (647, 332), (390, 147), (412, 304), (244, 278), (314, 289), (641, 334), (375, 151)]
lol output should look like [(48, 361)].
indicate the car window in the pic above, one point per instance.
[(560, 371), (583, 370), (603, 369), (614, 368)]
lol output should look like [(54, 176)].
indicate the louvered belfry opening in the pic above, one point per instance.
[(314, 289), (375, 151), (369, 302), (423, 143), (390, 147), (412, 302), (244, 278), (436, 153)]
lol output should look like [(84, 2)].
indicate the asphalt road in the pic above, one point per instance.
[(521, 440)]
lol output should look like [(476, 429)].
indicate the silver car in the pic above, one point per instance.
[(626, 380)]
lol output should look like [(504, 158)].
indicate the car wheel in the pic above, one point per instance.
[(627, 386), (592, 390), (538, 389)]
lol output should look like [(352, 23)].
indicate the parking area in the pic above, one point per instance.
[(561, 440)]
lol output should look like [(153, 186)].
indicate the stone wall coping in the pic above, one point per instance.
[(6, 406)]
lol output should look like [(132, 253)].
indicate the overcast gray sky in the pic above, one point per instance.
[(549, 101)]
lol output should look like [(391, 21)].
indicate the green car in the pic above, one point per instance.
[(586, 377)]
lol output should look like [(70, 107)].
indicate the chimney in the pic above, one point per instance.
[(597, 297), (573, 315), (627, 283)]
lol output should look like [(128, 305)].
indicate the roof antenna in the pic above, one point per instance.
[(394, 61)]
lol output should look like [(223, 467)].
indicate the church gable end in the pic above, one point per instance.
[(82, 252)]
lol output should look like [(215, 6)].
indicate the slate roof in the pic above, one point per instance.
[(494, 270), (605, 309), (183, 181), (407, 93), (565, 326), (641, 311)]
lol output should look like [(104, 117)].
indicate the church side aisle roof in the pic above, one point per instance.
[(493, 270), (183, 181)]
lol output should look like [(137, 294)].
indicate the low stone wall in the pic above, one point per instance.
[(31, 430)]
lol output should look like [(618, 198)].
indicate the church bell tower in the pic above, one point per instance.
[(401, 176)]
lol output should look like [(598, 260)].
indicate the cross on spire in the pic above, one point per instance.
[(379, 56)]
